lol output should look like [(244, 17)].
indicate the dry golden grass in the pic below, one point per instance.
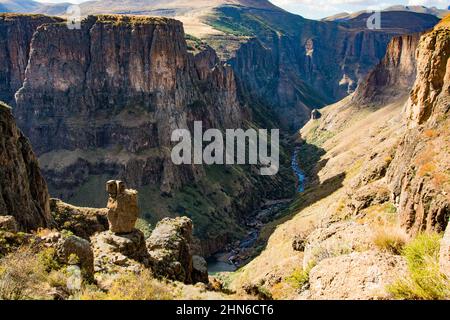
[(391, 239)]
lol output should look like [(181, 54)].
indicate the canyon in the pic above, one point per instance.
[(100, 103)]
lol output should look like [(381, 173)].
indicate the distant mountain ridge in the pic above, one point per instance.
[(30, 6), (344, 16)]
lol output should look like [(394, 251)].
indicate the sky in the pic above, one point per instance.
[(317, 9)]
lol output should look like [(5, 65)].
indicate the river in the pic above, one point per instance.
[(238, 253)]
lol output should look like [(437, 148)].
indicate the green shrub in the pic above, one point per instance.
[(299, 279), (47, 258), (424, 280)]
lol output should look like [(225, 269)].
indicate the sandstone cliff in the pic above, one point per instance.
[(295, 64), (23, 191), (419, 173), (120, 86), (16, 32), (394, 76)]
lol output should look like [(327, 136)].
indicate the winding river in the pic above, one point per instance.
[(235, 254)]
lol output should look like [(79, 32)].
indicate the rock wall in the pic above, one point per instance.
[(296, 65), (120, 86), (419, 172), (16, 32), (394, 76), (23, 190)]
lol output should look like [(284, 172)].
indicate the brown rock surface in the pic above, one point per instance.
[(125, 252), (419, 170), (8, 223), (83, 222), (357, 276), (337, 239), (23, 190), (394, 76), (123, 210), (15, 38), (169, 247)]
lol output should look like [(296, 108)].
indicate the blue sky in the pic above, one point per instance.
[(315, 9)]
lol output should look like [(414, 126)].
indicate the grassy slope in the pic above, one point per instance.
[(346, 135)]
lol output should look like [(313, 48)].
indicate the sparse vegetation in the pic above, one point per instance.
[(130, 286), (22, 276), (424, 280), (391, 239), (299, 279)]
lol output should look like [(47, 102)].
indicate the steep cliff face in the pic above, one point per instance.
[(102, 102), (16, 32), (120, 86), (419, 174), (394, 76), (23, 191), (295, 64)]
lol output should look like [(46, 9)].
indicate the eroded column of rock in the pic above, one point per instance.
[(123, 210), (23, 190), (123, 246)]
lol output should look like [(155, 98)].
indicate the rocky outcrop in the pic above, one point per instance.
[(419, 171), (16, 32), (124, 252), (169, 247), (394, 76), (23, 190), (432, 87), (334, 240), (8, 223), (357, 276), (315, 114), (69, 250), (83, 222), (123, 210)]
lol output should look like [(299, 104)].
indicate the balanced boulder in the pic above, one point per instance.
[(123, 210)]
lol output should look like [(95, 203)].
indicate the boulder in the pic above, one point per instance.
[(70, 250), (8, 223), (371, 194), (444, 258), (169, 247), (74, 250), (123, 210), (315, 114), (357, 276), (124, 252), (199, 270)]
